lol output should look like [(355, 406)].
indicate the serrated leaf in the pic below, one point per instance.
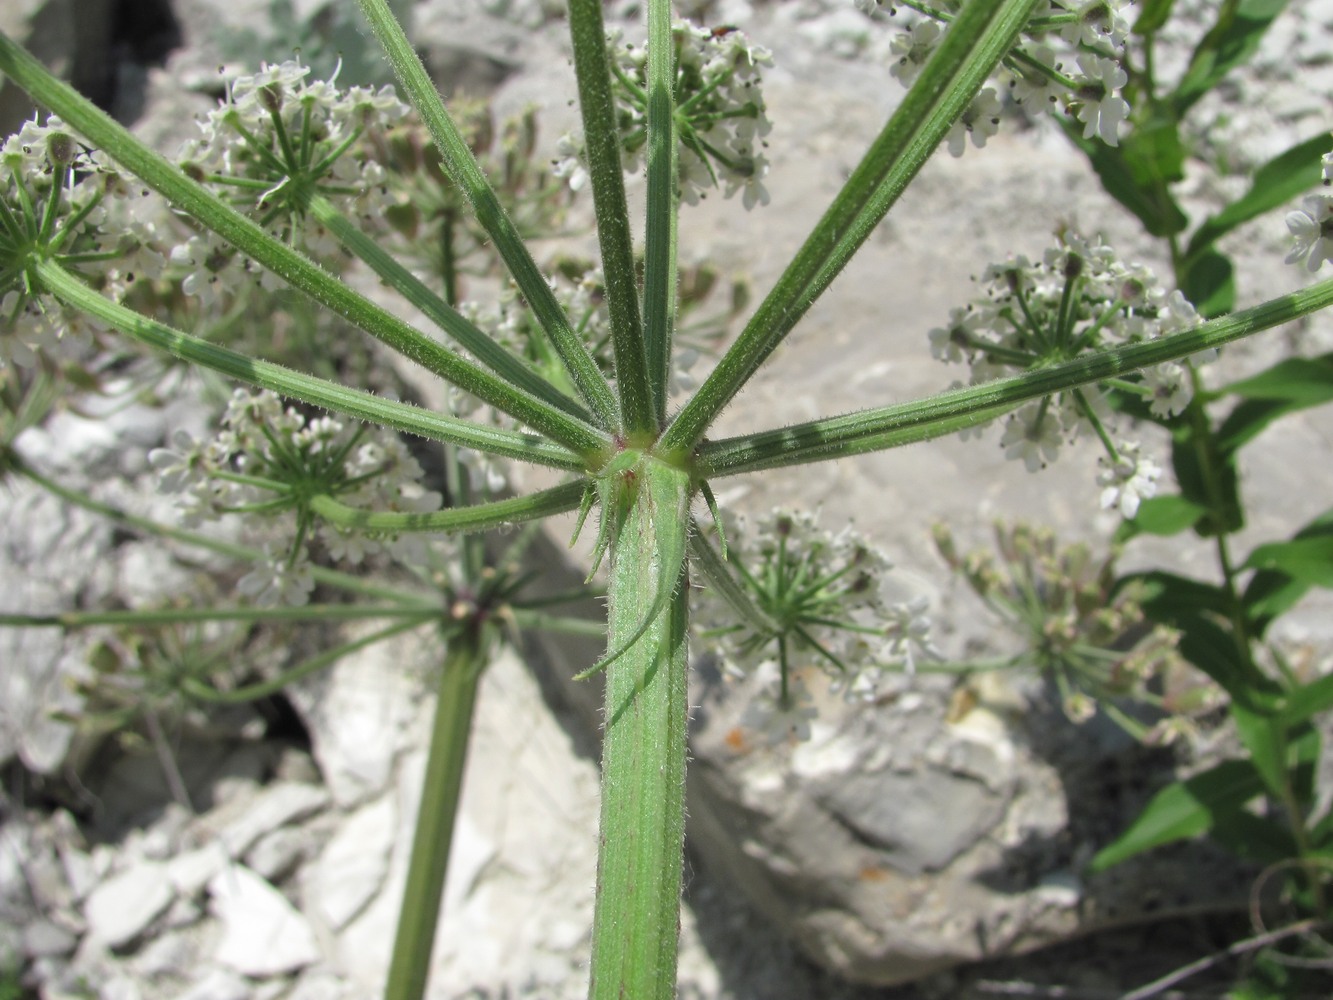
[(1185, 809)]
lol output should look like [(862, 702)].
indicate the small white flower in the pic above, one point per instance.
[(1127, 482), (1177, 313), (1171, 387), (1099, 21), (181, 467), (1032, 434), (981, 120), (908, 634), (274, 580), (1101, 108), (569, 167), (911, 48), (1312, 227)]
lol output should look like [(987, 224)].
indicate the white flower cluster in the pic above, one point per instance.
[(277, 140), (1071, 60), (825, 596), (268, 461), (1311, 225), (721, 118), (62, 200), (1080, 297)]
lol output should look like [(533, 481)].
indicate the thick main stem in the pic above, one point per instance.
[(637, 918), (409, 968)]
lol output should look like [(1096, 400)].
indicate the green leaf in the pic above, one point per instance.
[(1185, 809), (1209, 281), (1167, 596), (1152, 15), (1276, 183), (1233, 39), (1254, 838), (1287, 387), (1264, 736), (1273, 590), (1162, 515), (1307, 560), (1302, 381), (1138, 171), (1308, 701), (1207, 476), (1213, 650)]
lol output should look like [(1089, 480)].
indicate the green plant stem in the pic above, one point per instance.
[(602, 142), (251, 692), (476, 517), (180, 616), (440, 311), (720, 574), (409, 968), (526, 619), (978, 38), (146, 526), (636, 921), (464, 171), (1203, 441), (659, 281), (905, 423), (294, 268), (318, 391)]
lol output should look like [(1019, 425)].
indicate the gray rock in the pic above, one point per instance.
[(358, 714), (263, 934), (47, 939), (277, 805), (276, 855), (218, 984), (352, 866), (958, 844), (191, 871), (122, 907)]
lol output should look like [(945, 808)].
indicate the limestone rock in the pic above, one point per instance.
[(352, 867), (263, 934), (277, 805), (122, 907), (358, 713), (218, 984)]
